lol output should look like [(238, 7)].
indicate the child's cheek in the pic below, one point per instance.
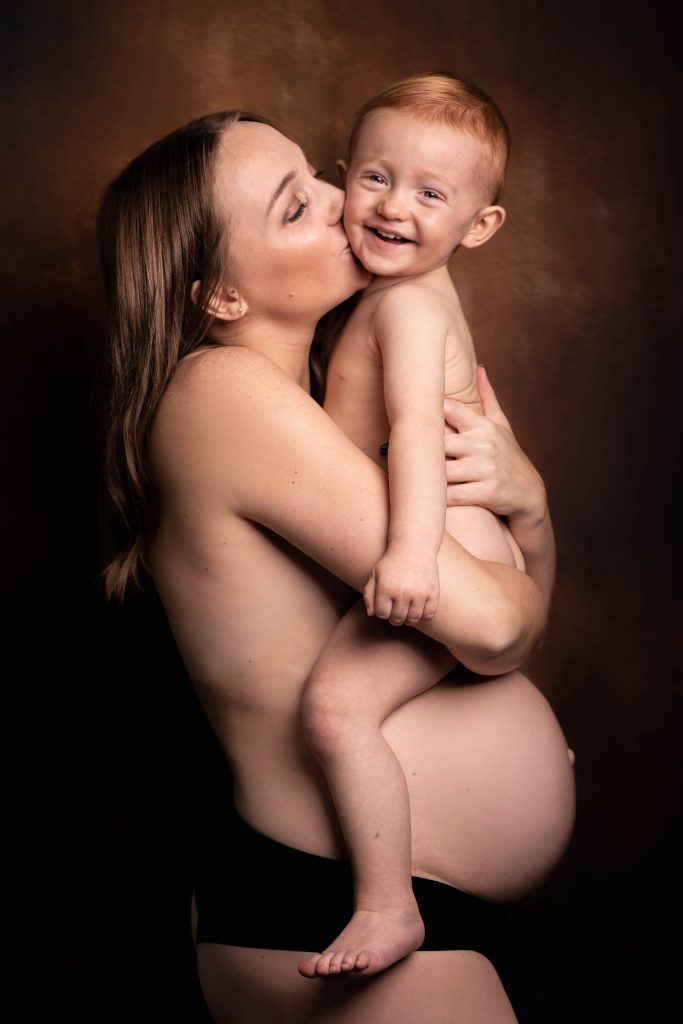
[(347, 217), (351, 208)]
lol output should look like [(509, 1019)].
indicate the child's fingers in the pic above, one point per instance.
[(415, 613), (399, 612), (369, 595), (383, 605), (422, 610), (431, 604)]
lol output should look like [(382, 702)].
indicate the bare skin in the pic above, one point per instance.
[(451, 988), (415, 192), (270, 520)]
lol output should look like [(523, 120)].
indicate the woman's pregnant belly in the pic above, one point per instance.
[(490, 780), (491, 784)]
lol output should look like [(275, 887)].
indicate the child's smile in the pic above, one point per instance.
[(412, 193)]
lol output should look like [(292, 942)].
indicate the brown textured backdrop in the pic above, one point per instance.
[(575, 309)]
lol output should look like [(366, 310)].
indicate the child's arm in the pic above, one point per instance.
[(410, 330)]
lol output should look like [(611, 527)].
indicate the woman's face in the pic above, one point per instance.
[(288, 254)]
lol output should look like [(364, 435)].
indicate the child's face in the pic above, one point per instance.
[(413, 191)]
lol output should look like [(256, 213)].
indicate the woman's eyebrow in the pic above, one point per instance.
[(280, 189)]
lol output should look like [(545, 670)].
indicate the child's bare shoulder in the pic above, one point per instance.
[(412, 298), (420, 303)]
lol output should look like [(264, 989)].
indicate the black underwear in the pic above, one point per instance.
[(255, 892)]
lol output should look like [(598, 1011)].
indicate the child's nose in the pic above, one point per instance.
[(392, 206)]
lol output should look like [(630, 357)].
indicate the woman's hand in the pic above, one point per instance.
[(484, 463), (485, 466)]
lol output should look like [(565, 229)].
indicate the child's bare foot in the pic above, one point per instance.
[(371, 941)]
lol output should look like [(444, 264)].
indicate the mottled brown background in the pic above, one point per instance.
[(576, 311)]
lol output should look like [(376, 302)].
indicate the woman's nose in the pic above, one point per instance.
[(336, 201)]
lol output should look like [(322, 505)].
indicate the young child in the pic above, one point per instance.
[(425, 169)]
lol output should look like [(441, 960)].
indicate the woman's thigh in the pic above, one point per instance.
[(258, 986)]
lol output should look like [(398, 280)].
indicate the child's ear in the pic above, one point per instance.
[(342, 168), (223, 303), (484, 226)]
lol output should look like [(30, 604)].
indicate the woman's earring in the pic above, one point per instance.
[(240, 310)]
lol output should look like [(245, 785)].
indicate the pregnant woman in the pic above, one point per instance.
[(258, 522)]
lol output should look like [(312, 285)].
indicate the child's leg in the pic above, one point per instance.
[(483, 534), (365, 671)]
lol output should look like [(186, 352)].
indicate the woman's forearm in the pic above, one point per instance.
[(533, 531), (503, 620), (487, 467), (290, 468)]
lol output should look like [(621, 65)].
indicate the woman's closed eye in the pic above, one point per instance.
[(303, 203), (298, 212)]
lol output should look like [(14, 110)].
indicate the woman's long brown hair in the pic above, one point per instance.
[(158, 233)]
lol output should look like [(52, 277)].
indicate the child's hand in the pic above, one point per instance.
[(403, 589)]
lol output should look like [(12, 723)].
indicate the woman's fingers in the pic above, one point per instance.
[(487, 397), (461, 446), (473, 492), (459, 415), (463, 417), (484, 463), (462, 470)]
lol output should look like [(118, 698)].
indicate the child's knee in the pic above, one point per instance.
[(327, 716), (325, 731)]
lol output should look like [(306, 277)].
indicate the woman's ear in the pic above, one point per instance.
[(223, 303), (484, 226), (342, 168)]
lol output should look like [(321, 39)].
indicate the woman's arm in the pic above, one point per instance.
[(261, 444), (485, 466)]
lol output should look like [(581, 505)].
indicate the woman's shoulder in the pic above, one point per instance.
[(231, 393), (226, 379), (223, 366)]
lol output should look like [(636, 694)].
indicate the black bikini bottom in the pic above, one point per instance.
[(253, 891)]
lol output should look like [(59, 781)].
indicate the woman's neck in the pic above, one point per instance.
[(287, 345)]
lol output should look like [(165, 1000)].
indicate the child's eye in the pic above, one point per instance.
[(298, 213), (428, 194), (377, 179)]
